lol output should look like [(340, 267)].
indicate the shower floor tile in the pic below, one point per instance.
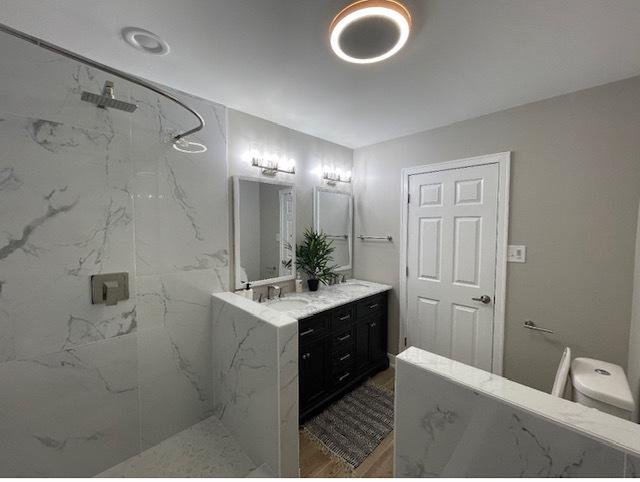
[(206, 449)]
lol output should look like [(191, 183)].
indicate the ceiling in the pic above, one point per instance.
[(271, 58)]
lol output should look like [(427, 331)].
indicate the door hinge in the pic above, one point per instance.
[(408, 198), (407, 271), (405, 341)]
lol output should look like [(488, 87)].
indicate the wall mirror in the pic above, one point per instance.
[(333, 215), (264, 221)]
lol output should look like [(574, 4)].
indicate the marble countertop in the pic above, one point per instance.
[(258, 310), (613, 431), (328, 297)]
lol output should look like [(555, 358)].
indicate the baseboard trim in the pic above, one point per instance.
[(392, 360)]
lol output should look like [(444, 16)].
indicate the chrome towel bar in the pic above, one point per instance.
[(530, 325), (382, 238)]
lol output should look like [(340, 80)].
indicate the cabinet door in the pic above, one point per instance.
[(362, 344), (370, 341), (313, 371), (376, 339)]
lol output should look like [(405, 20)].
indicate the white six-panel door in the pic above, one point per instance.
[(451, 261)]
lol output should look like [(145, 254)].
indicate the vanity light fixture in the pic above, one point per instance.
[(369, 31), (272, 165), (333, 176)]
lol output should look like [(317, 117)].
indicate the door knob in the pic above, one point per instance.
[(483, 299)]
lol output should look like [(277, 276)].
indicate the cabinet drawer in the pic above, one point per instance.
[(342, 317), (313, 328), (371, 305), (343, 340), (342, 377), (342, 359)]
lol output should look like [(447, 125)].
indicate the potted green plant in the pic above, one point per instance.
[(314, 257)]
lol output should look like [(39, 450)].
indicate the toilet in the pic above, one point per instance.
[(560, 382), (602, 385)]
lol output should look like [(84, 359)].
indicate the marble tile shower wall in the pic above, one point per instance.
[(85, 191)]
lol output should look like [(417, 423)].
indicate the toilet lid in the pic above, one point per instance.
[(602, 381), (562, 374)]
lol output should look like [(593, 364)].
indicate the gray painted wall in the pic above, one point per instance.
[(247, 132), (633, 369), (575, 186)]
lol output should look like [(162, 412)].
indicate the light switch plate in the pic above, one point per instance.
[(516, 253)]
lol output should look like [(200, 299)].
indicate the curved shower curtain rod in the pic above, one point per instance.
[(131, 78)]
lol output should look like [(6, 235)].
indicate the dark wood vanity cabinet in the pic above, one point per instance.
[(340, 348), (313, 368)]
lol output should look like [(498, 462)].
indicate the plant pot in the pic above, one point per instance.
[(313, 284)]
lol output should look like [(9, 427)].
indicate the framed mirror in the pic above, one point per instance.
[(264, 223), (333, 215)]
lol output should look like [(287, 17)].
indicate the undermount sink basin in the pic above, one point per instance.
[(355, 286), (288, 304)]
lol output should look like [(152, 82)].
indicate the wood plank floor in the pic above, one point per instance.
[(313, 463)]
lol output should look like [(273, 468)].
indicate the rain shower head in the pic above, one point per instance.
[(107, 99)]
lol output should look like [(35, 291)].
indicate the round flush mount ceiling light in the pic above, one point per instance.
[(369, 31), (145, 41)]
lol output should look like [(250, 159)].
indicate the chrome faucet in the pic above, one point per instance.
[(276, 289)]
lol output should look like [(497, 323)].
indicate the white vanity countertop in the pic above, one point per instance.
[(328, 297), (258, 310), (613, 431)]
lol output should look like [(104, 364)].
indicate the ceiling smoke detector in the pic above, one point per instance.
[(369, 31), (145, 41)]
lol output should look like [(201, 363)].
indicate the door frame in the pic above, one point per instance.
[(503, 159)]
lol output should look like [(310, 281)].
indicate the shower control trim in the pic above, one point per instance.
[(109, 288)]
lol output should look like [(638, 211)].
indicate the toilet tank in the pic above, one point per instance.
[(602, 385)]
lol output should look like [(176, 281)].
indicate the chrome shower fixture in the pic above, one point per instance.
[(108, 99), (118, 73), (188, 147)]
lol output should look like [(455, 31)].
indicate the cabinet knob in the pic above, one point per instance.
[(306, 356), (372, 324)]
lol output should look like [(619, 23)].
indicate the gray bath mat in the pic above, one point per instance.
[(351, 428)]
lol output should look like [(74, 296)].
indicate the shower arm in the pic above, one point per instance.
[(123, 75)]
